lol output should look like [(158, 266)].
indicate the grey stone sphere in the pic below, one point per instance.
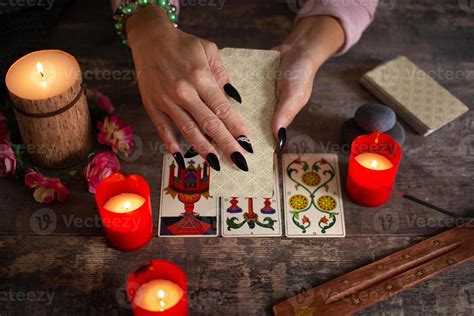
[(397, 133), (375, 118), (350, 131)]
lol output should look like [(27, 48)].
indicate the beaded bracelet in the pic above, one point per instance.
[(129, 7)]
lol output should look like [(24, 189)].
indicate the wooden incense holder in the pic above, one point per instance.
[(384, 278), (57, 132)]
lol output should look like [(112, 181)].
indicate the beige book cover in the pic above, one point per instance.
[(253, 73), (414, 95)]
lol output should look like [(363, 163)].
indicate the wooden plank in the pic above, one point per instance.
[(226, 276)]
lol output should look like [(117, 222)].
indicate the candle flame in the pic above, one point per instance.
[(373, 164), (127, 205), (40, 69), (161, 294)]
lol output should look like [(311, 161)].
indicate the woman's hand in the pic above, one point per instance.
[(309, 45), (182, 82)]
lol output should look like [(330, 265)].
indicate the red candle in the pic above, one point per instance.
[(158, 288), (373, 166), (125, 210)]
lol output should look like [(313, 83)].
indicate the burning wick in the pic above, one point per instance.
[(161, 295), (39, 68), (127, 205), (373, 165)]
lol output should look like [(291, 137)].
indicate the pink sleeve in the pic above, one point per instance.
[(117, 3), (354, 16)]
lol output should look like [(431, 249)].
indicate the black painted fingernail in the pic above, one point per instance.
[(178, 157), (239, 161), (213, 161), (190, 153), (232, 92), (245, 143), (281, 138)]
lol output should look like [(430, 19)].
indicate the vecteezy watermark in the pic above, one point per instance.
[(300, 297), (43, 221), (301, 144), (47, 4), (219, 4), (27, 296), (466, 146), (466, 296), (111, 74), (386, 222), (467, 6)]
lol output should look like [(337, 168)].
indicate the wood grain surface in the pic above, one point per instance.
[(70, 261)]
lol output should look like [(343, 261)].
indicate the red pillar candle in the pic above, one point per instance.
[(125, 210), (373, 166), (158, 288)]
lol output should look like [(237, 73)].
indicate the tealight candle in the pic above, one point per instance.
[(374, 161), (158, 295), (158, 288), (125, 210), (124, 202), (51, 108), (373, 166)]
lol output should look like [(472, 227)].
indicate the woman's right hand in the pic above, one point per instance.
[(182, 81)]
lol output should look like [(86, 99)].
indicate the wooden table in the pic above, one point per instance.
[(246, 276)]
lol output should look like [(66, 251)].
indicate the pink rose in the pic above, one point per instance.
[(102, 165), (7, 159), (102, 101), (47, 190), (115, 133)]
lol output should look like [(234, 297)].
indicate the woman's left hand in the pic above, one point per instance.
[(309, 45)]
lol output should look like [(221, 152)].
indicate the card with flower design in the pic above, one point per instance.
[(312, 196), (186, 208), (252, 217)]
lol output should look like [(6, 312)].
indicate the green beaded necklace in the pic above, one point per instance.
[(127, 9)]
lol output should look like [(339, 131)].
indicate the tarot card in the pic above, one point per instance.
[(252, 217), (312, 196), (186, 209)]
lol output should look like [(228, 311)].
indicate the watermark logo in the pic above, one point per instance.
[(386, 222), (466, 296), (466, 147), (43, 221), (301, 144), (300, 296)]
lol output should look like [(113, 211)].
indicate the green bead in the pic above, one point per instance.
[(119, 26), (163, 3), (128, 9), (173, 17), (144, 3), (124, 41)]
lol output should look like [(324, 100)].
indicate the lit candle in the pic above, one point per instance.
[(159, 288), (42, 74), (124, 202), (158, 295), (373, 166), (50, 107), (125, 211), (374, 161)]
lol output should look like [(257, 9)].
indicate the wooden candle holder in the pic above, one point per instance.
[(56, 131)]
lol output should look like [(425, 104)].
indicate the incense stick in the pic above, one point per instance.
[(431, 206)]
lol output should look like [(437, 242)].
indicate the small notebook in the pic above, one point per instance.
[(419, 100), (253, 73)]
